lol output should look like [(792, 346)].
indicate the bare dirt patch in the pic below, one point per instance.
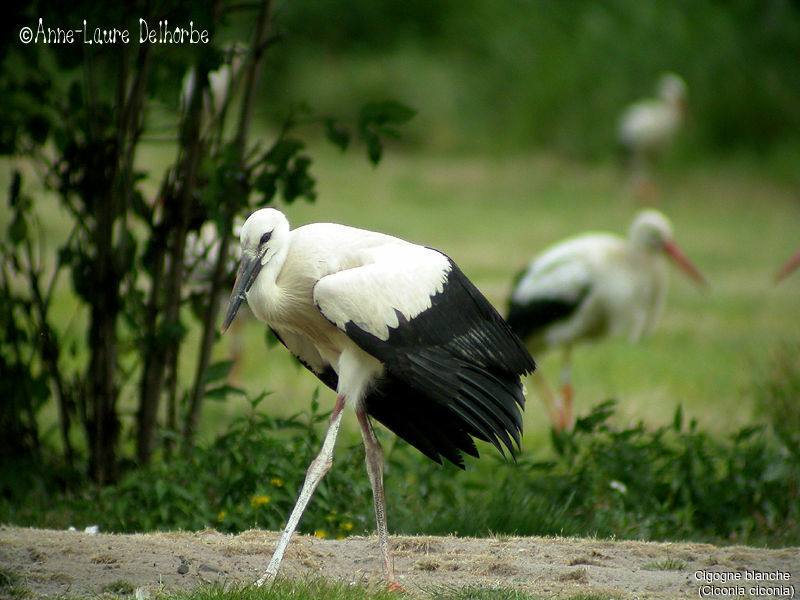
[(70, 563)]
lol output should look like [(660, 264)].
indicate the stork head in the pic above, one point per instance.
[(264, 236), (651, 231), (672, 89)]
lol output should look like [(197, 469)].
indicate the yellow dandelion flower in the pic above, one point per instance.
[(320, 533), (276, 482), (221, 516), (347, 526), (257, 501)]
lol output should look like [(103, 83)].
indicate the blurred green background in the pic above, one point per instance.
[(524, 74)]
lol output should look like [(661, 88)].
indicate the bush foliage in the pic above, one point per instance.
[(670, 483)]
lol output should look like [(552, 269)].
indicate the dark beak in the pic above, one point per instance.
[(249, 268)]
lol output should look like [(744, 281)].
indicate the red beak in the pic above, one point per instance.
[(680, 259), (790, 266)]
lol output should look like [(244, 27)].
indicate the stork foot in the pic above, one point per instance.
[(394, 586), (266, 578)]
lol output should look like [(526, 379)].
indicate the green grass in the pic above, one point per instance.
[(11, 586), (284, 589), (668, 564), (318, 589), (121, 587), (290, 590)]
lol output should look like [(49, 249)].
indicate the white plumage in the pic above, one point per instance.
[(219, 86), (591, 286), (397, 330)]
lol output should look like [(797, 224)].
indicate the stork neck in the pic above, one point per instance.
[(274, 265)]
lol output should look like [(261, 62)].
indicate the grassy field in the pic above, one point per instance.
[(491, 215)]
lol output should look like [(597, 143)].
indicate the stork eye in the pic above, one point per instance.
[(265, 238)]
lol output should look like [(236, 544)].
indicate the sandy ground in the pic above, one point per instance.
[(60, 563)]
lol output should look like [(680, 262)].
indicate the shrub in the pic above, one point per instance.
[(674, 482)]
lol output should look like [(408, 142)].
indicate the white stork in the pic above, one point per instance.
[(792, 264), (591, 286), (400, 334), (647, 127)]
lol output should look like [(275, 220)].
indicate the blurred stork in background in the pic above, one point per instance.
[(591, 286), (645, 130), (792, 264), (216, 96), (200, 258)]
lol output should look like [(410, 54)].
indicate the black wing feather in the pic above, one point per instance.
[(451, 373), (529, 318)]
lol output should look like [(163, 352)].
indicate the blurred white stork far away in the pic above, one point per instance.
[(647, 128), (591, 286), (401, 335), (217, 94), (201, 254)]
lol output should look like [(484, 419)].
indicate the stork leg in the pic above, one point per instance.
[(647, 192), (374, 460), (316, 471), (565, 408), (551, 405)]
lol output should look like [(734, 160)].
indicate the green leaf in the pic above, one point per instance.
[(221, 392), (315, 401), (266, 184), (282, 152), (374, 148), (14, 189), (17, 229), (271, 339), (337, 135), (678, 420), (378, 119), (217, 371), (298, 182), (388, 112)]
